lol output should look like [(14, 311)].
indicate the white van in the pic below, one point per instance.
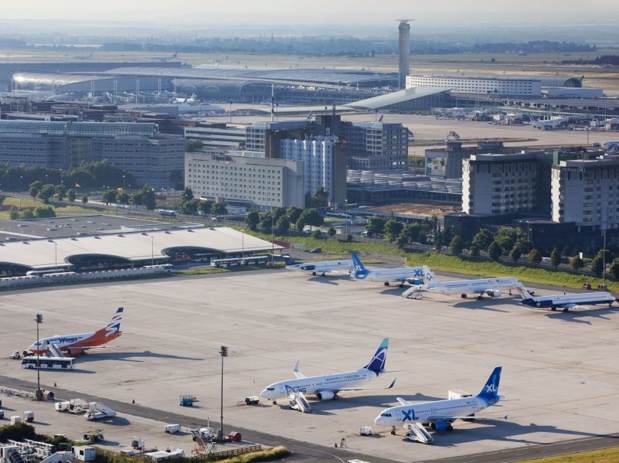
[(172, 428)]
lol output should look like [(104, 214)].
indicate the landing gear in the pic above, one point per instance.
[(463, 295), (480, 298), (386, 283), (322, 275), (393, 430), (553, 308), (275, 402), (314, 273), (565, 309)]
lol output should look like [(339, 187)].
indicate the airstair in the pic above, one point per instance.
[(53, 349), (299, 402), (412, 293), (417, 433)]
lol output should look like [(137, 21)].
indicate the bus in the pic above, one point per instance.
[(167, 214), (48, 363), (236, 261)]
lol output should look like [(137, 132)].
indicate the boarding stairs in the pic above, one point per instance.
[(412, 293), (418, 433), (54, 350), (299, 402)]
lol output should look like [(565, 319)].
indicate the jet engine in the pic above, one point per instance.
[(441, 426), (494, 293), (325, 395)]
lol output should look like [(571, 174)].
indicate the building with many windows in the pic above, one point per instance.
[(135, 147), (494, 184), (505, 86), (586, 192), (376, 145), (247, 179)]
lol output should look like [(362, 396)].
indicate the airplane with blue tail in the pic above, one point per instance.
[(327, 387), (402, 275), (439, 415), (570, 301)]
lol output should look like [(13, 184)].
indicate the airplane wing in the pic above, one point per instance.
[(404, 401), (297, 373), (368, 388)]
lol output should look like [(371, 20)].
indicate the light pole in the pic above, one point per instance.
[(38, 395), (224, 353), (152, 250), (604, 260), (55, 255), (20, 179)]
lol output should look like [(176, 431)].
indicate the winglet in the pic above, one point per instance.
[(392, 384), (296, 371)]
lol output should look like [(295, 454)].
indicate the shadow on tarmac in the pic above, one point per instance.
[(132, 356)]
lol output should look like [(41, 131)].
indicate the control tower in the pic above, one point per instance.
[(404, 48)]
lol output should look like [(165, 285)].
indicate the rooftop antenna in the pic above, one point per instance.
[(272, 103)]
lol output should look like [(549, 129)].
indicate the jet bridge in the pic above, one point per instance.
[(417, 433), (299, 402)]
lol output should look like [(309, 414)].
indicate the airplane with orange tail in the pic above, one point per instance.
[(78, 343)]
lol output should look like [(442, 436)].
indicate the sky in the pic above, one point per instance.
[(271, 12)]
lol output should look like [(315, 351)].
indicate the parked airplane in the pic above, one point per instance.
[(327, 387), (400, 275), (610, 144), (549, 124), (441, 414), (493, 287), (164, 59), (73, 343), (324, 267), (82, 57), (570, 301), (193, 99)]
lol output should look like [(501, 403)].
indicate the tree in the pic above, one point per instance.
[(43, 212), (34, 192), (123, 198), (401, 241), (597, 265), (109, 196), (266, 222), (60, 192), (566, 250), (614, 269), (320, 198), (294, 213), (483, 239), (219, 209), (176, 178), (535, 257), (506, 238), (474, 250), (555, 257), (376, 226), (252, 219), (332, 232), (393, 228), (312, 217), (495, 251), (456, 246), (187, 194), (188, 207), (46, 193), (193, 145), (205, 207), (317, 233), (515, 253), (282, 225), (577, 263), (84, 200), (71, 195), (13, 214)]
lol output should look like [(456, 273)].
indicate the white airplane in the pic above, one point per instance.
[(441, 414), (83, 57), (327, 387), (412, 275), (610, 144), (164, 59), (193, 99), (570, 301), (551, 124), (73, 343), (493, 287), (324, 267)]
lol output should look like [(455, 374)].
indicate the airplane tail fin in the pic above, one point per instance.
[(360, 270), (377, 364), (490, 392), (428, 275), (113, 327)]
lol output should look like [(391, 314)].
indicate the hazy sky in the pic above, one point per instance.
[(271, 12)]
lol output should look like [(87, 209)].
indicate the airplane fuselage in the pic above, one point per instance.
[(324, 266), (392, 275), (569, 300), (316, 384), (475, 286), (427, 412)]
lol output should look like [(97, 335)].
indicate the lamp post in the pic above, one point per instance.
[(20, 179), (224, 353), (38, 395), (55, 256), (604, 260), (152, 250)]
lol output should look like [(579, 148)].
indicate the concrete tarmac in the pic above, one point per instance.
[(559, 371)]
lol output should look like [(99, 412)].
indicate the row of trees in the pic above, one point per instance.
[(191, 206), (86, 175), (280, 220)]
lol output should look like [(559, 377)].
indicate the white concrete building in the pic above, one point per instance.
[(317, 154), (586, 192), (250, 179), (499, 183), (511, 86)]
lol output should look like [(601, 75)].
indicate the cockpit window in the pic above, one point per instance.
[(270, 388)]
